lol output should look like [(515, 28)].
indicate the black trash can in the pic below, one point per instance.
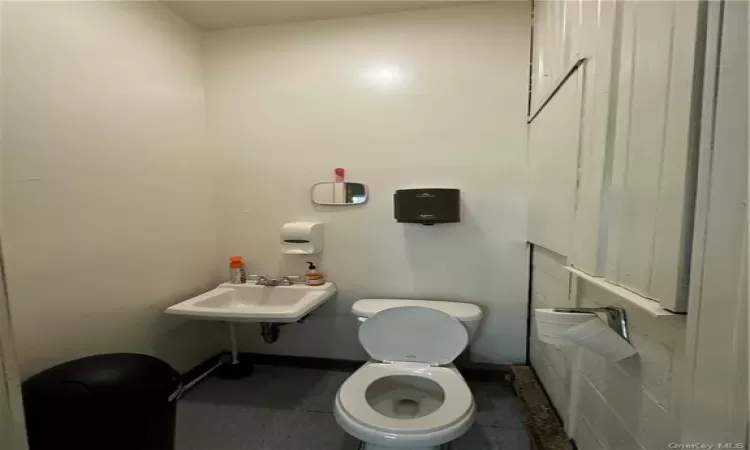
[(117, 401)]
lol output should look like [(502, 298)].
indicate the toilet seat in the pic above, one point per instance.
[(457, 404), (413, 334)]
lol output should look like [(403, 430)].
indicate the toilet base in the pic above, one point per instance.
[(366, 446)]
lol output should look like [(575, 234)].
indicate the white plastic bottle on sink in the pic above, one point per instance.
[(237, 270)]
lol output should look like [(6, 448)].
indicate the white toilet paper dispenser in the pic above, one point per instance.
[(616, 318), (302, 238)]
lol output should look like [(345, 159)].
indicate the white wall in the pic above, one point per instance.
[(632, 404), (716, 402), (554, 142), (634, 165), (652, 185), (565, 32), (12, 426), (109, 204), (418, 99), (633, 218)]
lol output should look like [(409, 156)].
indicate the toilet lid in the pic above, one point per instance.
[(413, 334)]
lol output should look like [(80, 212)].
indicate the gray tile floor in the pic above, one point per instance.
[(283, 408)]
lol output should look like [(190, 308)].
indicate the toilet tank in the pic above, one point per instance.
[(467, 313)]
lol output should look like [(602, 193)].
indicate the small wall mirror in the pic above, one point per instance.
[(339, 193)]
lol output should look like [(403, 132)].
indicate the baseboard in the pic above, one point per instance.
[(495, 373), (303, 362), (478, 372), (473, 372)]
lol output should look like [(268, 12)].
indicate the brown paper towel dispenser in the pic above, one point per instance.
[(427, 206)]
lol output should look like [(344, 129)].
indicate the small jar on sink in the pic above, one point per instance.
[(313, 277)]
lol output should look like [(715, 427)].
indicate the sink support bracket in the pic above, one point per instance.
[(233, 341), (237, 369)]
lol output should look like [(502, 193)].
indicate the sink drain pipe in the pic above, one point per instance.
[(270, 331), (237, 369)]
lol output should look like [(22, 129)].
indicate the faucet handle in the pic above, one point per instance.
[(290, 279), (259, 279)]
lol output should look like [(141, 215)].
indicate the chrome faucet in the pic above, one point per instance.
[(287, 280)]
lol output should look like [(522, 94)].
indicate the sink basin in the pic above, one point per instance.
[(253, 303)]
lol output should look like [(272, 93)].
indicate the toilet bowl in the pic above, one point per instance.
[(409, 396)]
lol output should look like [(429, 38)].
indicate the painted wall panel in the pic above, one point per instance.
[(689, 381), (631, 404), (650, 216), (647, 86), (600, 45), (553, 168), (636, 161)]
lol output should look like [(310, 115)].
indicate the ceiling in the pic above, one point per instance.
[(221, 14)]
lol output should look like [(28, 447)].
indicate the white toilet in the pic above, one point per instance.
[(410, 396)]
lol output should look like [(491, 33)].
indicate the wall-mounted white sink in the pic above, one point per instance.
[(253, 303)]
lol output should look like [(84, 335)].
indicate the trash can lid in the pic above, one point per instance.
[(125, 375)]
